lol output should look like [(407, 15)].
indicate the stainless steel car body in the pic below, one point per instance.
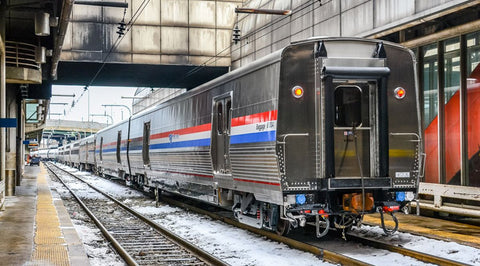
[(74, 149), (111, 150), (87, 153), (321, 119)]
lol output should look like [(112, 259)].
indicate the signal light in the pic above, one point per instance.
[(390, 208), (297, 92), (322, 213), (399, 93)]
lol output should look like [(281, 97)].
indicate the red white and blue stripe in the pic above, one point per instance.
[(253, 128), (260, 127)]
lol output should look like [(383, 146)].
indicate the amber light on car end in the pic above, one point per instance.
[(297, 92), (399, 93)]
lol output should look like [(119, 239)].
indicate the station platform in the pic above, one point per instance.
[(35, 228), (461, 233)]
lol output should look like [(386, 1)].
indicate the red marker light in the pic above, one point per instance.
[(399, 93), (297, 92), (322, 213), (390, 208)]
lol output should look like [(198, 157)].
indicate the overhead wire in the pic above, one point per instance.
[(129, 25), (216, 56)]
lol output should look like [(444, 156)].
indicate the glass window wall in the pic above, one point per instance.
[(473, 105), (452, 50), (453, 157), (430, 104)]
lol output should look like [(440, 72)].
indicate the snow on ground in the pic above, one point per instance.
[(449, 250), (114, 189), (233, 245), (96, 247), (239, 247)]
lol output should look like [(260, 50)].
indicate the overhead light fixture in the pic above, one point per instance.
[(40, 55), (42, 24)]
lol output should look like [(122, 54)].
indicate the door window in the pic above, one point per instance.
[(228, 115), (146, 144), (101, 149), (119, 142), (348, 106), (219, 118)]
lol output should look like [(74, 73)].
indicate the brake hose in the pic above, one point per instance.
[(359, 166)]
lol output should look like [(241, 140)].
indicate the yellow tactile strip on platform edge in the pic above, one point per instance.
[(50, 247)]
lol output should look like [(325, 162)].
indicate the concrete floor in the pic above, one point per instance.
[(17, 225), (18, 220)]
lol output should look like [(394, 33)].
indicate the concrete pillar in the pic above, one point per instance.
[(11, 144), (3, 95), (9, 182), (20, 155)]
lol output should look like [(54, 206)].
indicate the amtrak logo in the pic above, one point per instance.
[(172, 137)]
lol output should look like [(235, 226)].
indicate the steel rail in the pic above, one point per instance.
[(327, 255), (321, 253), (121, 251), (201, 254), (406, 252)]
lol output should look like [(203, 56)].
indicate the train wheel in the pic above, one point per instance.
[(283, 227)]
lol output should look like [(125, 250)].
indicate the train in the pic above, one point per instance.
[(318, 133)]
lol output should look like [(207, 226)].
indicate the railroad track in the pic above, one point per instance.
[(137, 239), (317, 249)]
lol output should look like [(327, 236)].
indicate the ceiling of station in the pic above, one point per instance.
[(136, 75), (20, 24)]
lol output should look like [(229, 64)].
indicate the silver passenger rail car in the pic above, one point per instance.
[(60, 155), (111, 150), (319, 133), (75, 154), (52, 154), (66, 154), (87, 153)]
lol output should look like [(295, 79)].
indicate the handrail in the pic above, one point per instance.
[(407, 134), (20, 54), (291, 135)]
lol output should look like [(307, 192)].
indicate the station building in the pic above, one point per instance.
[(444, 36)]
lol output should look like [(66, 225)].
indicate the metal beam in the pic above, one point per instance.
[(64, 95), (444, 34), (104, 4), (60, 38), (263, 11), (422, 17), (119, 105)]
